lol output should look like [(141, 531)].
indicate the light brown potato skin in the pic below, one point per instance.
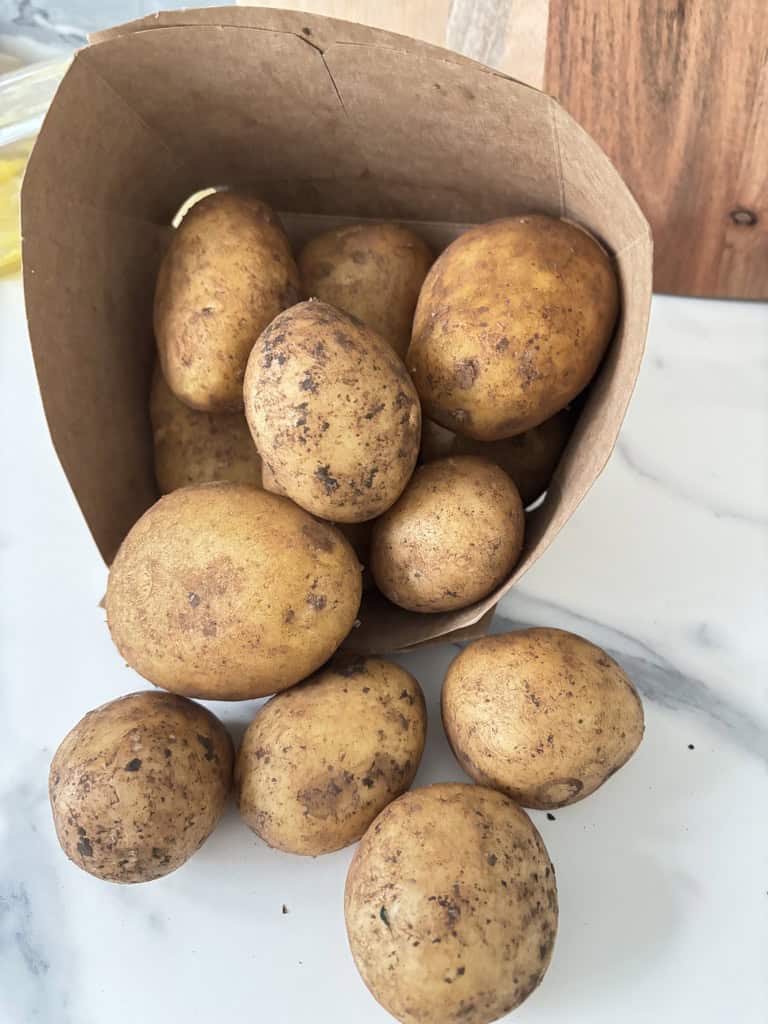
[(451, 906), (373, 271), (320, 761), (358, 534), (226, 592), (193, 447), (529, 458), (541, 714), (227, 272), (511, 324), (333, 413), (454, 535), (138, 785)]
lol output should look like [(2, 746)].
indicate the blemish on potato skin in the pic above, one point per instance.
[(84, 847), (466, 373), (134, 765), (319, 536), (330, 483)]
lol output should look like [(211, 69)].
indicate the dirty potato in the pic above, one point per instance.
[(333, 413), (511, 324), (358, 534), (373, 271), (138, 785), (320, 761), (541, 714), (451, 906), (454, 535), (529, 458), (228, 271), (193, 447), (226, 592)]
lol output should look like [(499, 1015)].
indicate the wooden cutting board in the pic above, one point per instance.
[(675, 91)]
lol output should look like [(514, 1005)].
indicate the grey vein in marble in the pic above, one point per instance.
[(677, 490), (477, 29), (35, 975)]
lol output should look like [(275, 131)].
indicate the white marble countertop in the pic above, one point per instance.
[(663, 874)]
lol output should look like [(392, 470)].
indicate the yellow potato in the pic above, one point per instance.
[(193, 447), (320, 761), (333, 413), (529, 458), (451, 906), (226, 592), (138, 785), (373, 272), (511, 324), (541, 714), (454, 535), (358, 534), (228, 271)]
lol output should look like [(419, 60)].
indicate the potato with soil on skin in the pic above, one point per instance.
[(227, 272), (320, 761), (454, 535), (358, 534), (193, 447), (226, 592), (451, 906), (139, 784), (529, 458), (511, 324), (373, 271), (333, 413), (541, 714)]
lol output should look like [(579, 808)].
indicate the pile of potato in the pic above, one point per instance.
[(296, 470)]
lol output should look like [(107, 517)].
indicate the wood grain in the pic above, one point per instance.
[(676, 92)]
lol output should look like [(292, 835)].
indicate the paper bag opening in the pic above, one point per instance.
[(326, 120)]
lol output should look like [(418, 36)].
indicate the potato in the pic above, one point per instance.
[(511, 324), (451, 906), (228, 271), (333, 413), (193, 447), (373, 271), (358, 534), (541, 714), (454, 535), (225, 592), (320, 761), (529, 458), (138, 785)]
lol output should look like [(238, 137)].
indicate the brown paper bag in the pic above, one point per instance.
[(327, 120)]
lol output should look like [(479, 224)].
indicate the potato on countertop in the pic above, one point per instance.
[(228, 271), (193, 447), (454, 535), (138, 785), (451, 906), (541, 714), (372, 271), (320, 761), (333, 413), (511, 324), (226, 592)]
